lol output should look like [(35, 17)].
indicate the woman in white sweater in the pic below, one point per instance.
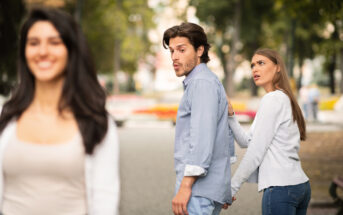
[(58, 146), (273, 141)]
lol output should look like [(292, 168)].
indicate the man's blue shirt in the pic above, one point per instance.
[(203, 138)]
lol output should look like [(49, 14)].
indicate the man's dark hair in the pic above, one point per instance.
[(195, 35)]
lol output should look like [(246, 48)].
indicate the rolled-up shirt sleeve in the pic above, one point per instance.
[(204, 102)]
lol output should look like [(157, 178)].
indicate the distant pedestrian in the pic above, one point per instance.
[(58, 146), (304, 100), (313, 98), (274, 140), (203, 141)]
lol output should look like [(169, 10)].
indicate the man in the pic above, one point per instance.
[(203, 141)]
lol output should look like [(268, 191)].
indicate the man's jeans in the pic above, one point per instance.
[(286, 200), (203, 206)]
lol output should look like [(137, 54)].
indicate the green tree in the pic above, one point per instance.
[(11, 12), (117, 33), (235, 30)]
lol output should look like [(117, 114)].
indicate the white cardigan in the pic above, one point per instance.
[(101, 171), (273, 143)]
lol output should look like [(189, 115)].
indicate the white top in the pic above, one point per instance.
[(44, 178), (101, 171), (274, 142)]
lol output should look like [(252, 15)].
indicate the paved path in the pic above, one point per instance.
[(147, 174)]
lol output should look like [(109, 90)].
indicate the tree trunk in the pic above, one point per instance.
[(116, 67), (331, 68), (341, 68), (116, 60), (254, 88), (78, 12), (291, 50), (231, 64)]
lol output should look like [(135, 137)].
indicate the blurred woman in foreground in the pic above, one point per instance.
[(273, 141), (58, 146)]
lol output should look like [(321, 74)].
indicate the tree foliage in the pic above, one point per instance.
[(11, 13), (297, 29), (126, 21)]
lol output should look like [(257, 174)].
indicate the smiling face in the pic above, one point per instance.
[(263, 71), (46, 54), (183, 55)]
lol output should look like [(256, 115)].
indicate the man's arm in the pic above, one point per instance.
[(203, 99), (180, 201)]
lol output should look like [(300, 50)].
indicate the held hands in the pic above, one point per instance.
[(226, 205), (180, 201), (231, 112)]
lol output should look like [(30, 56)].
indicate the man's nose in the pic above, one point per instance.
[(175, 56)]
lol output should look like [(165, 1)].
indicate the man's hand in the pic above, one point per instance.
[(180, 201), (226, 205)]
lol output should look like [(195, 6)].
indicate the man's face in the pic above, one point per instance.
[(183, 55)]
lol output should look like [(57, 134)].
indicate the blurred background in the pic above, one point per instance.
[(125, 37)]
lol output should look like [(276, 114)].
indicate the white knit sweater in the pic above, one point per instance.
[(274, 142)]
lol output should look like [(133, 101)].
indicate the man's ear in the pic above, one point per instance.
[(200, 51)]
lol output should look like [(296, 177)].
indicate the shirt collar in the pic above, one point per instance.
[(193, 73)]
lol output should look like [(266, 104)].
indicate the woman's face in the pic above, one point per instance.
[(263, 71), (45, 52)]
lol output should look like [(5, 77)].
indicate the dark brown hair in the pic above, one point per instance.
[(281, 82), (81, 91), (195, 34)]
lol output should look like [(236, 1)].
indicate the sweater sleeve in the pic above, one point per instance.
[(105, 180), (267, 122), (242, 137)]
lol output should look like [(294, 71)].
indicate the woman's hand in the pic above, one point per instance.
[(231, 112), (226, 205)]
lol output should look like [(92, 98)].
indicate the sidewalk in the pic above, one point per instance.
[(327, 121)]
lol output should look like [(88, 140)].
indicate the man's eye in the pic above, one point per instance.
[(182, 50)]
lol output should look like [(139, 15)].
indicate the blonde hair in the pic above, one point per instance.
[(281, 82)]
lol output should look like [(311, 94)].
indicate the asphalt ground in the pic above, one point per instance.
[(148, 177)]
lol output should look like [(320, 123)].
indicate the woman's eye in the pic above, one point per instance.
[(55, 42), (261, 63), (32, 43)]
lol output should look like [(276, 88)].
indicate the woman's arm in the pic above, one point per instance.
[(241, 136), (105, 174), (267, 122)]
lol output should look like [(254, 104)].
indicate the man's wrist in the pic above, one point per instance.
[(188, 182)]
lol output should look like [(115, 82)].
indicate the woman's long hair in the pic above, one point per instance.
[(81, 92), (281, 82)]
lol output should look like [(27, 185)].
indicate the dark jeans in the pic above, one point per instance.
[(286, 200)]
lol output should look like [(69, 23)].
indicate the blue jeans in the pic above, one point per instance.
[(286, 200), (198, 205)]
